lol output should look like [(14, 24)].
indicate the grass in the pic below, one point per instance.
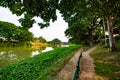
[(107, 64), (40, 67)]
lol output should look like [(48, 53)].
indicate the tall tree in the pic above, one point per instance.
[(109, 9), (84, 30), (46, 9)]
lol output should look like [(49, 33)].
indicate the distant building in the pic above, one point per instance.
[(56, 42)]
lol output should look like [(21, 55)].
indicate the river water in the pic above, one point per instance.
[(11, 55)]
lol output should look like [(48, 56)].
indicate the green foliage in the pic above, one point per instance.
[(13, 33), (15, 44), (80, 13), (45, 9), (110, 11), (8, 30), (25, 36), (37, 67), (87, 12), (86, 31), (42, 40), (82, 21), (106, 8), (27, 22), (56, 41)]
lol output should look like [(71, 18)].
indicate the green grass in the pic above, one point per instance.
[(107, 64), (40, 67)]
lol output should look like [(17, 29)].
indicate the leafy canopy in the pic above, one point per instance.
[(78, 13), (12, 32), (45, 9)]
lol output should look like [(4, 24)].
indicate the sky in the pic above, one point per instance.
[(55, 30)]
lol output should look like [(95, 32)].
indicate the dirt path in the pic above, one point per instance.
[(87, 67), (68, 71)]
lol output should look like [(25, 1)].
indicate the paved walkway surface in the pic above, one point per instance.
[(68, 71), (87, 67)]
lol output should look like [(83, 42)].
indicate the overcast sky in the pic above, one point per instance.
[(55, 30)]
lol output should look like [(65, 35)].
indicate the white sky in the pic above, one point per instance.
[(55, 30)]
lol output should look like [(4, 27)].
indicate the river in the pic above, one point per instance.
[(12, 55)]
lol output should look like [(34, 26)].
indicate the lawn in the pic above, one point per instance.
[(107, 64)]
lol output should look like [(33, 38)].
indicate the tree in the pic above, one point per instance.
[(42, 40), (110, 10), (82, 20), (8, 30), (12, 32), (56, 40), (85, 30), (26, 22), (46, 9), (25, 36)]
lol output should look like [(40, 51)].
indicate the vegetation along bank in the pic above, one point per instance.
[(107, 64), (40, 67)]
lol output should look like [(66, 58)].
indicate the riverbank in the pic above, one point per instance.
[(43, 66), (15, 44), (107, 64), (32, 45), (38, 45)]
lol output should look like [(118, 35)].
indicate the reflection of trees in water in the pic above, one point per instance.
[(41, 49), (10, 55), (37, 46)]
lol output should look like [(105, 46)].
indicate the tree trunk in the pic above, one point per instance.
[(110, 31), (90, 37)]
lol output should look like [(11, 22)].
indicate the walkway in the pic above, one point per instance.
[(87, 67), (68, 71)]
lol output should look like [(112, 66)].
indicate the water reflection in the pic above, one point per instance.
[(47, 49), (40, 51), (11, 55)]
